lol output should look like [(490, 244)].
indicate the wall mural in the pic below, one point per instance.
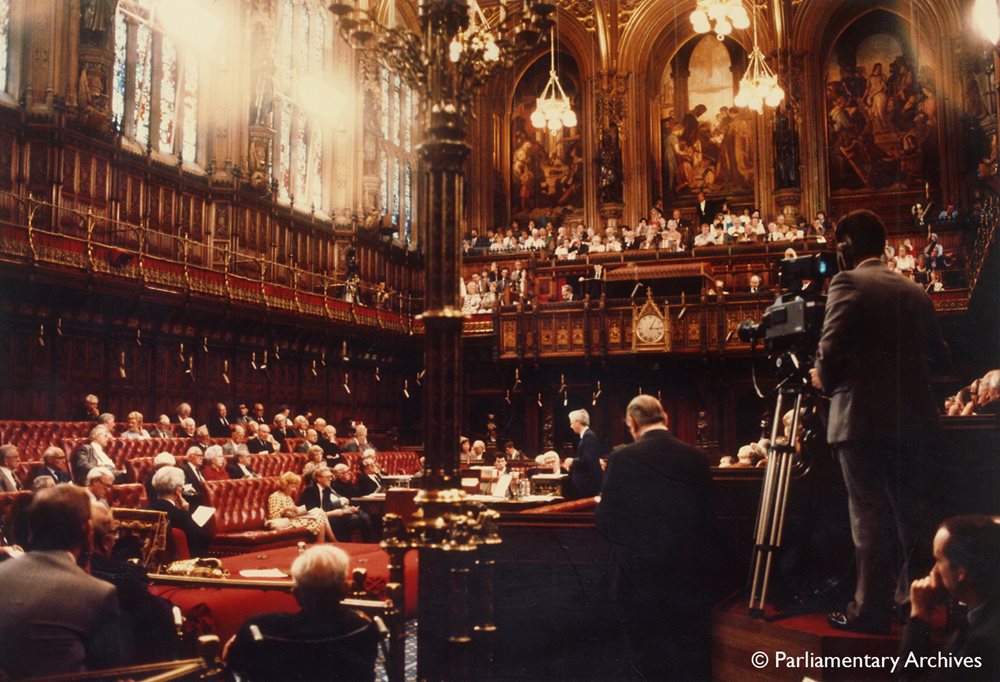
[(881, 107), (546, 168), (710, 147)]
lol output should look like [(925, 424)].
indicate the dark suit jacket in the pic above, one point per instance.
[(280, 435), (304, 446), (311, 499), (255, 445), (5, 486), (309, 645), (880, 338), (979, 638), (84, 459), (56, 619), (197, 537), (218, 427), (190, 478), (366, 485), (655, 511), (345, 489), (352, 446), (235, 471), (586, 474), (330, 448), (59, 476)]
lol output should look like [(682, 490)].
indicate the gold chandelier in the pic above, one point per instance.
[(759, 85), (726, 15), (552, 108)]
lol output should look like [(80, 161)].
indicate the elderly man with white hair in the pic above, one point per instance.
[(54, 464), (100, 482), (194, 479), (323, 640), (168, 483), (585, 473), (93, 454)]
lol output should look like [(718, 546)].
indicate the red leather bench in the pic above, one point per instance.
[(240, 512), (31, 438), (122, 450), (10, 505), (399, 462)]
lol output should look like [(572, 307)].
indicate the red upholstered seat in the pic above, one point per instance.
[(400, 462), (240, 513), (277, 463), (128, 495), (32, 437)]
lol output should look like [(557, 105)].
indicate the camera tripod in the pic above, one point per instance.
[(774, 494)]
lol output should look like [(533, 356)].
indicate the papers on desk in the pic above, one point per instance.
[(502, 485), (201, 515), (263, 573)]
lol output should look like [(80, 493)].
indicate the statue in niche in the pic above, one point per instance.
[(94, 105), (786, 149), (96, 17), (609, 160)]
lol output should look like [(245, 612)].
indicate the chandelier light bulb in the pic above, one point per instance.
[(569, 118), (717, 11), (774, 97), (455, 50), (741, 19), (538, 117), (741, 97), (554, 125), (723, 28), (491, 52), (700, 22)]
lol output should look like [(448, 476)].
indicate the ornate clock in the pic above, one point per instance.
[(650, 326)]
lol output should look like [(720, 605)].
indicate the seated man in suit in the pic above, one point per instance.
[(162, 429), (312, 438), (324, 640), (218, 423), (163, 459), (10, 458), (100, 483), (62, 620), (360, 441), (328, 441), (242, 468), (758, 289), (342, 483), (280, 430), (370, 477), (186, 428), (237, 441), (344, 518), (194, 479), (168, 483), (89, 411), (967, 570), (202, 438), (53, 464), (93, 455), (262, 441)]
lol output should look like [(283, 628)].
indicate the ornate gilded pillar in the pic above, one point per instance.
[(609, 90)]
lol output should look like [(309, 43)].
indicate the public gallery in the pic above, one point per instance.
[(555, 340)]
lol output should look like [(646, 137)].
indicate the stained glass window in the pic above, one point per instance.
[(168, 94), (397, 104), (190, 109), (300, 57), (4, 40), (144, 52), (143, 82), (121, 75)]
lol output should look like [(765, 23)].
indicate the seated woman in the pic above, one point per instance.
[(281, 505), (135, 429), (215, 464), (315, 460)]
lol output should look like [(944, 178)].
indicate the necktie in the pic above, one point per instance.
[(197, 472)]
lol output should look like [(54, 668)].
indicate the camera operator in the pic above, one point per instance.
[(880, 336)]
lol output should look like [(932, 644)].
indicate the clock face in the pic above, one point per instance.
[(649, 328)]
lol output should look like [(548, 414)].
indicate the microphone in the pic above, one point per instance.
[(638, 285)]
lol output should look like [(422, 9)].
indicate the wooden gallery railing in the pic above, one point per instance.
[(40, 234)]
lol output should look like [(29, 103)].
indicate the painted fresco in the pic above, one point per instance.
[(710, 147), (881, 112), (546, 168)]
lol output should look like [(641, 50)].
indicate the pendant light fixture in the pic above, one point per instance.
[(759, 85), (553, 109)]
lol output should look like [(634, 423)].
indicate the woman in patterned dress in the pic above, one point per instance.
[(281, 505)]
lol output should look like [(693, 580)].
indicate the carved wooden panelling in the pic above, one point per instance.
[(577, 334), (508, 336), (154, 206), (167, 210), (6, 161), (38, 166), (69, 171), (85, 175), (100, 180)]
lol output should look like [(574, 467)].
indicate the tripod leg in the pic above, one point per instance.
[(765, 508)]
